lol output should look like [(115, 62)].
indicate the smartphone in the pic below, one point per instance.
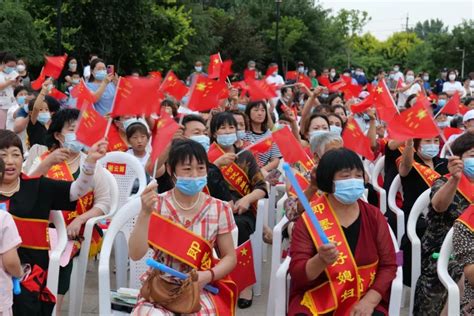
[(110, 69)]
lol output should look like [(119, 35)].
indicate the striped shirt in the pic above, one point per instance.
[(265, 158)]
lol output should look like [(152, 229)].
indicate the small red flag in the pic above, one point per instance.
[(384, 104), (450, 131), (156, 74), (214, 68), (38, 83), (290, 148), (454, 106), (242, 86), (399, 84), (324, 81), (205, 93), (244, 273), (214, 152), (305, 79), (91, 126), (172, 86), (291, 75), (355, 140), (260, 90), (416, 122), (82, 93), (250, 75), (433, 97), (226, 70), (271, 70), (261, 147), (363, 105), (336, 86), (163, 134), (54, 65), (137, 96), (58, 95), (351, 91)]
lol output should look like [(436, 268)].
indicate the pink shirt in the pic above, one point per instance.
[(9, 239)]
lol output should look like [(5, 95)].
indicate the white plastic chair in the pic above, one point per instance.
[(445, 278), (396, 187), (125, 181), (444, 151), (420, 207), (378, 169), (396, 293), (80, 263), (257, 244)]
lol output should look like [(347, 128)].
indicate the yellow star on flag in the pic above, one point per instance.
[(379, 90), (243, 252), (421, 114), (201, 86), (351, 127)]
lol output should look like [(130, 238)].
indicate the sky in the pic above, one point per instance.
[(390, 16)]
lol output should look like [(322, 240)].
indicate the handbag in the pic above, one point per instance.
[(177, 296)]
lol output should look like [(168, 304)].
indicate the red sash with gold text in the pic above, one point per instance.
[(465, 188), (467, 217), (347, 282), (195, 252), (116, 142), (426, 173)]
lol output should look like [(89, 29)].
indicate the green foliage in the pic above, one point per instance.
[(424, 29)]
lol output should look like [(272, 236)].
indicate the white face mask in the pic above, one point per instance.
[(20, 68), (396, 68), (452, 77), (332, 74), (410, 78)]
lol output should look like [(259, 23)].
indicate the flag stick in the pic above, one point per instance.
[(181, 119), (289, 85), (109, 124), (220, 59), (155, 168), (251, 145), (304, 201), (393, 101)]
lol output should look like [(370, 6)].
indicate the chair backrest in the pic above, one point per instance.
[(444, 151), (378, 169), (56, 217), (420, 207), (396, 187), (396, 292), (445, 278), (121, 218), (114, 192)]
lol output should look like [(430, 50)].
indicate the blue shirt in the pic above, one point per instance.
[(104, 104)]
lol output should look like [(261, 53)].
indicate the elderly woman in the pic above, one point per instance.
[(450, 196), (360, 257), (30, 200)]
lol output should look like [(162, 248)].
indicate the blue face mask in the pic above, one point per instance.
[(26, 108), (441, 102), (8, 70), (100, 75), (203, 140), (227, 140), (189, 185), (313, 134), (71, 143), (348, 191), (241, 107), (429, 150), (21, 100), (44, 117), (335, 129), (469, 167), (241, 135), (76, 81), (324, 95)]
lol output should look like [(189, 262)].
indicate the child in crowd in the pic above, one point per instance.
[(10, 265), (138, 136)]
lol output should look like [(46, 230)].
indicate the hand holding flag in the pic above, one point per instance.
[(354, 139), (54, 66)]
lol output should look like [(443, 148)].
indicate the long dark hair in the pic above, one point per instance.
[(93, 64), (252, 105)]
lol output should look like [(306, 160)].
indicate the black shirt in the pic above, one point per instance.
[(36, 133), (215, 183), (390, 167)]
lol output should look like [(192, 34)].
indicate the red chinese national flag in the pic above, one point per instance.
[(163, 134), (54, 66), (214, 152), (351, 91), (82, 94), (244, 273), (305, 79), (262, 146), (291, 75), (384, 104), (290, 148), (260, 90), (271, 70), (214, 68), (454, 105), (155, 74), (226, 70), (58, 95), (363, 105), (450, 131), (250, 75), (416, 122), (137, 96), (355, 140), (336, 86), (172, 86), (205, 93), (324, 81), (399, 84), (38, 83), (91, 126)]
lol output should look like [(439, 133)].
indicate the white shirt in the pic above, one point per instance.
[(451, 87), (403, 96), (6, 95), (87, 73), (10, 124), (398, 75), (143, 159), (278, 81)]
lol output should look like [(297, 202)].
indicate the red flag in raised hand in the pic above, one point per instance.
[(305, 79), (82, 94), (226, 70), (399, 84), (355, 140), (384, 104), (58, 95), (290, 148), (260, 90), (214, 68), (163, 134), (173, 86), (324, 81), (363, 105), (242, 86), (205, 93), (250, 75), (271, 70), (291, 75), (453, 105), (416, 122), (54, 66), (351, 91), (38, 83), (137, 96), (261, 146), (244, 273), (91, 126), (450, 131), (336, 86)]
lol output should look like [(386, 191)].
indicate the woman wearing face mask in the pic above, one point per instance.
[(242, 128), (70, 72), (189, 214), (30, 200), (243, 177), (335, 123), (452, 85), (41, 109), (62, 161), (260, 128), (17, 120), (8, 81), (360, 245), (333, 76), (101, 84), (316, 124), (450, 196), (23, 73), (411, 86)]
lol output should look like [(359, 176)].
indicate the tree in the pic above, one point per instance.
[(397, 46), (428, 27)]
